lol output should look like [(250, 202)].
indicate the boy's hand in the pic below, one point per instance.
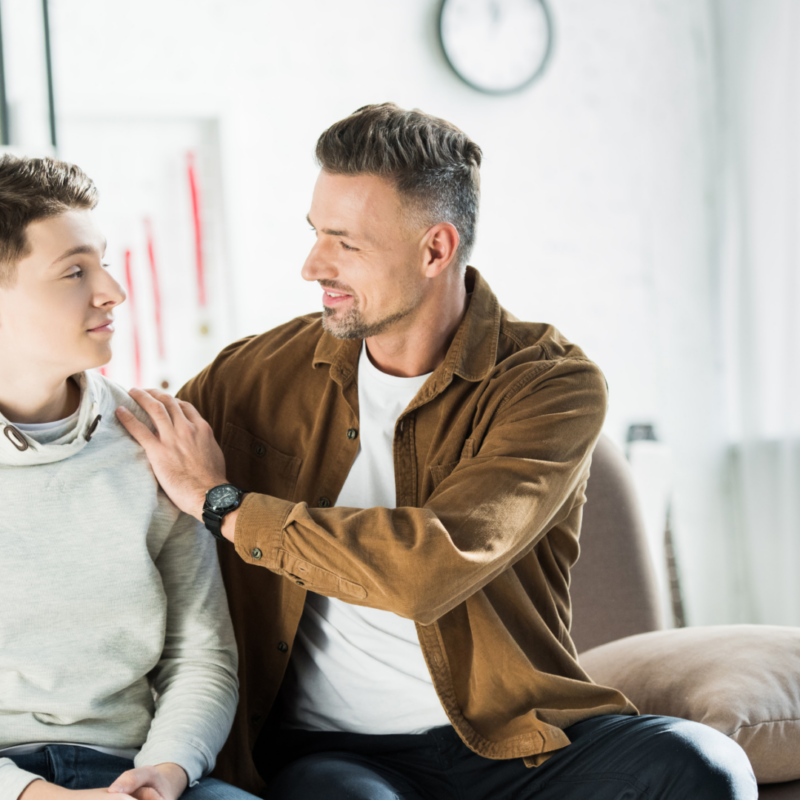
[(162, 782), (41, 790), (184, 454)]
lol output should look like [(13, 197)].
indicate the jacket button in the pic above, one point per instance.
[(324, 502), (352, 433), (283, 647), (256, 553)]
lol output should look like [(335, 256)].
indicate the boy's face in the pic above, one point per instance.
[(57, 315)]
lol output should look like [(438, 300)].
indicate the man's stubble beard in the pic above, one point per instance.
[(352, 325)]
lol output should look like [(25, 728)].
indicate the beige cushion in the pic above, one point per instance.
[(743, 680)]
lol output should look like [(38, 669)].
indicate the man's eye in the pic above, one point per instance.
[(347, 246)]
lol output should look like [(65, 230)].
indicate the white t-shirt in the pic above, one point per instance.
[(354, 668), (66, 422)]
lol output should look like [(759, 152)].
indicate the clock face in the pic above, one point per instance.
[(496, 46), (222, 496)]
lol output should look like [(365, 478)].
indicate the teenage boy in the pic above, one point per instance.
[(117, 657), (416, 460)]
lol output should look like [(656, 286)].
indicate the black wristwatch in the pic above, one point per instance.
[(220, 500)]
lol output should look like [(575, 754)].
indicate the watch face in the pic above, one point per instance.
[(223, 496), (496, 46)]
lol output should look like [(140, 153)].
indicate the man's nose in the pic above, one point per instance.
[(318, 265)]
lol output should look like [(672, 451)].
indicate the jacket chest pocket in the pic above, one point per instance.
[(256, 466), (440, 471)]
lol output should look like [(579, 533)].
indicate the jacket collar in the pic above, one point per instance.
[(472, 354), (19, 449)]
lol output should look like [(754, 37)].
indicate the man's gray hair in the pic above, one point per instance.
[(435, 166)]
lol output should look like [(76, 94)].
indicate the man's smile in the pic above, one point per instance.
[(332, 298)]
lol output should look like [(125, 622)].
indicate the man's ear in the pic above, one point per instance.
[(439, 248)]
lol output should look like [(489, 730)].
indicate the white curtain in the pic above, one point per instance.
[(759, 57)]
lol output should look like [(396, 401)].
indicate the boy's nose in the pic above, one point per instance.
[(110, 292)]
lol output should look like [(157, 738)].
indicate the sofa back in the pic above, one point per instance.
[(613, 586)]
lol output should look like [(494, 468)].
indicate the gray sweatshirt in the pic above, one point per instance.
[(114, 629)]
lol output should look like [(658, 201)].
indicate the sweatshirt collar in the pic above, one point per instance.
[(472, 354), (20, 449)]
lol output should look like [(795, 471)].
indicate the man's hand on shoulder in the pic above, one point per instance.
[(185, 456)]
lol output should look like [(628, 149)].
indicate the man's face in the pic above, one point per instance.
[(367, 257), (57, 314)]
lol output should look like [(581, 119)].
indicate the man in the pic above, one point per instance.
[(415, 460), (117, 657)]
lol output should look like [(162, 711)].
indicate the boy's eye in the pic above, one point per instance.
[(77, 274)]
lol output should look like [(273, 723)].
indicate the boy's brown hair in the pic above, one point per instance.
[(32, 189), (434, 166)]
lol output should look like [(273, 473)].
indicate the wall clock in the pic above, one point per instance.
[(496, 46)]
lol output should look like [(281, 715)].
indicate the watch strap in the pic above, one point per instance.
[(213, 523)]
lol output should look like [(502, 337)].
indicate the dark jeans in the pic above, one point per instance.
[(610, 758), (73, 767)]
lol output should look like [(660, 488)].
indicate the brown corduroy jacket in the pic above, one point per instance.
[(491, 461)]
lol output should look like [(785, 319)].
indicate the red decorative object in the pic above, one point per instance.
[(198, 228), (137, 353), (151, 257)]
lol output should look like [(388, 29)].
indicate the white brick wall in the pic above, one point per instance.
[(598, 181)]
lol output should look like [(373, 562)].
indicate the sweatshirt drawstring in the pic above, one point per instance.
[(93, 427), (95, 423)]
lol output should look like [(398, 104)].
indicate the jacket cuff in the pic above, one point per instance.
[(193, 762), (259, 529)]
